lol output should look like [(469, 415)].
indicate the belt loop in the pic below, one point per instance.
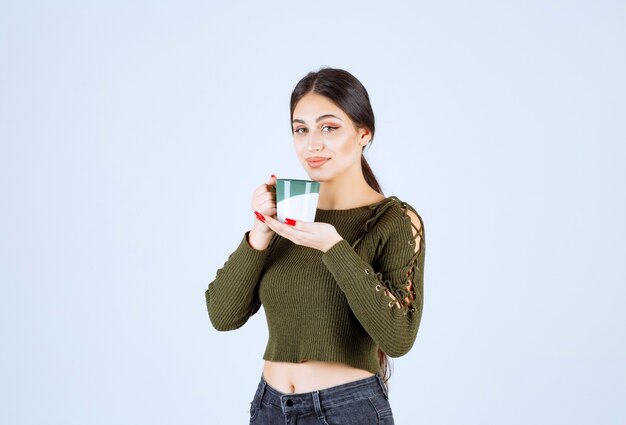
[(382, 385), (261, 392), (318, 406)]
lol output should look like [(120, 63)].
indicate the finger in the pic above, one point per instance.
[(259, 216), (264, 198), (281, 228), (269, 211), (259, 191), (303, 226), (264, 201), (265, 187), (271, 185)]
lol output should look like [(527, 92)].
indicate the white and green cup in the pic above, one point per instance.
[(296, 199)]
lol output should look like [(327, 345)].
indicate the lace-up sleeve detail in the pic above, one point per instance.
[(387, 295), (406, 296), (232, 297)]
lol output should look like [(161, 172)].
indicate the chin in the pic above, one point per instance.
[(316, 177)]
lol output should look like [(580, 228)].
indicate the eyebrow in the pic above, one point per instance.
[(321, 117)]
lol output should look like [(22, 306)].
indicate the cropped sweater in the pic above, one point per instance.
[(365, 292)]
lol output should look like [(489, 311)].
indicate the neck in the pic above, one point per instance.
[(349, 190)]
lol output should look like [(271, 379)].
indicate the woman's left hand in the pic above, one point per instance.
[(316, 235)]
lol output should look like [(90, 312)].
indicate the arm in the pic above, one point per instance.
[(232, 298), (388, 301)]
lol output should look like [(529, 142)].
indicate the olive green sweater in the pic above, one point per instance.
[(335, 306)]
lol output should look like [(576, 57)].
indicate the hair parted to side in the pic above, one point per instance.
[(347, 92)]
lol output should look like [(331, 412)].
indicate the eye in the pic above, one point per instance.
[(297, 131), (329, 127)]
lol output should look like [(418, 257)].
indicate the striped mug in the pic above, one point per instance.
[(296, 199)]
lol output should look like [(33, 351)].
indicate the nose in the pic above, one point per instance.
[(315, 143)]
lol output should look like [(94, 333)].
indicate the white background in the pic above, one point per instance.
[(133, 133)]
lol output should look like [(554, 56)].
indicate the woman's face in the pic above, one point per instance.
[(325, 139)]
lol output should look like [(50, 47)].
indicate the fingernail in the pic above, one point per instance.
[(260, 217), (290, 222), (273, 175)]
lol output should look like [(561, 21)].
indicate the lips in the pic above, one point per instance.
[(316, 161)]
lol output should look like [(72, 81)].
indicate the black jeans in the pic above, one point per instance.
[(362, 402)]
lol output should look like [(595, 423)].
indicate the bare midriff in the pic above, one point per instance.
[(310, 375)]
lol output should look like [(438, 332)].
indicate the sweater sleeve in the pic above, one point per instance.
[(387, 298), (232, 297)]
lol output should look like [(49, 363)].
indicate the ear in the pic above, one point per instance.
[(364, 136)]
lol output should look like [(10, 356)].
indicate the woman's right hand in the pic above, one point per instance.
[(264, 201)]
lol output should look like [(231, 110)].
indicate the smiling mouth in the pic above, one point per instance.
[(314, 163)]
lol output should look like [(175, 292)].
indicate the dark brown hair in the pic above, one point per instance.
[(343, 89)]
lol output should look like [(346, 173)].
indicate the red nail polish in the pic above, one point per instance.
[(290, 222), (260, 217), (272, 176)]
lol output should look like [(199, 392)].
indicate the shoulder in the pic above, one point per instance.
[(414, 216), (401, 225), (398, 212)]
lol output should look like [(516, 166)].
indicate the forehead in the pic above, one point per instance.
[(313, 105)]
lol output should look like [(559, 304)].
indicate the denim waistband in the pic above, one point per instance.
[(316, 400)]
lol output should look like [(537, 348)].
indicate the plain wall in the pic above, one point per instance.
[(132, 135)]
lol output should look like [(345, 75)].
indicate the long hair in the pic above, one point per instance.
[(351, 97)]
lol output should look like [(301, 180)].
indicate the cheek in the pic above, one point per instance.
[(348, 147), (300, 149), (298, 146)]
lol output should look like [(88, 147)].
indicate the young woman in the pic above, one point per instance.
[(341, 294)]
